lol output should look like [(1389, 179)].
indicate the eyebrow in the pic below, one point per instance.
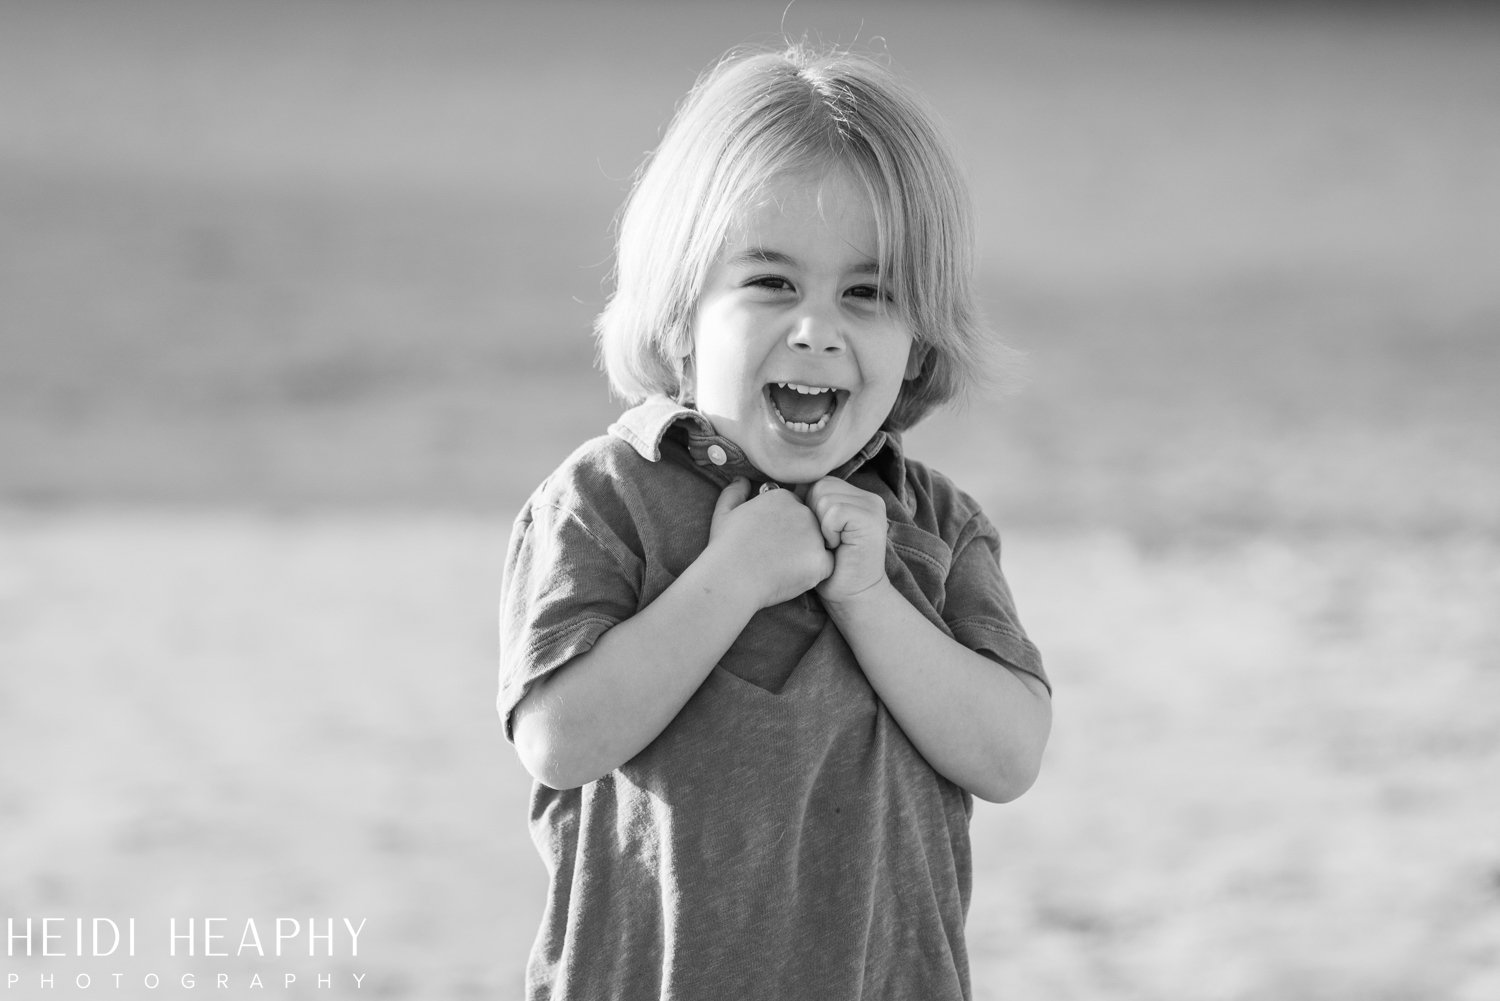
[(765, 255)]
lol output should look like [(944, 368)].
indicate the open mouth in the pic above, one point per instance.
[(802, 408)]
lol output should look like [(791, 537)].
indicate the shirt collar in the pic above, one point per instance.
[(647, 424)]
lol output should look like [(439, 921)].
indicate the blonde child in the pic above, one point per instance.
[(758, 660)]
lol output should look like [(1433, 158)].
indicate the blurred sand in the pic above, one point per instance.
[(293, 310), (1271, 773)]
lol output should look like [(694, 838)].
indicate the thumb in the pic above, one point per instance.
[(732, 496)]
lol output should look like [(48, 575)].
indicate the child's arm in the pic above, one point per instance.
[(603, 707), (981, 726)]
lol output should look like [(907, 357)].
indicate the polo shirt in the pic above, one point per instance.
[(781, 838)]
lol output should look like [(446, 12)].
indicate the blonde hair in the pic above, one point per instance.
[(764, 114)]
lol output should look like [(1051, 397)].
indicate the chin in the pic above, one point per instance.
[(798, 471), (799, 478)]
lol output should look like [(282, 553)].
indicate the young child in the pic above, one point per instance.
[(757, 659)]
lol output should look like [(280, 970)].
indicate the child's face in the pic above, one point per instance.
[(794, 358)]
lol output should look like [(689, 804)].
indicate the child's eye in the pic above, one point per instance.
[(872, 292), (775, 283)]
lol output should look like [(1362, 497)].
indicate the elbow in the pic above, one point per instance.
[(1017, 761), (558, 778), (550, 760), (543, 766), (555, 774), (1008, 784), (557, 755)]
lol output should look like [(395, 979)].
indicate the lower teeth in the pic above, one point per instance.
[(801, 426)]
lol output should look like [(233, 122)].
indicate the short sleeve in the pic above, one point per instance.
[(567, 579), (978, 606)]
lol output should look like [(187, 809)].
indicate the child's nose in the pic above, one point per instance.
[(817, 332)]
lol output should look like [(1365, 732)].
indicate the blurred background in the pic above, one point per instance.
[(294, 313)]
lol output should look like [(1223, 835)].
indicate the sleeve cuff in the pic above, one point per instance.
[(1003, 643), (549, 652)]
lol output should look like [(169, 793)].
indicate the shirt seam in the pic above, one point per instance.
[(987, 622), (1029, 662), (573, 516), (925, 557), (969, 531), (547, 638)]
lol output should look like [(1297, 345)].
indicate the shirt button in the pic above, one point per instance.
[(717, 455)]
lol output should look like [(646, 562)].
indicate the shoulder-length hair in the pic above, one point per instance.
[(760, 115)]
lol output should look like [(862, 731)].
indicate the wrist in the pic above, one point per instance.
[(723, 580), (866, 601)]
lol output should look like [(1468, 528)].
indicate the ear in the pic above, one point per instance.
[(915, 360), (682, 366)]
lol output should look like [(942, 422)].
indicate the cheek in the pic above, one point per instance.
[(895, 357), (712, 366), (722, 348)]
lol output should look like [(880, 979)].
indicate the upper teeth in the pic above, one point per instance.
[(805, 390)]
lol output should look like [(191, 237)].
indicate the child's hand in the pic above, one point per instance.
[(770, 542), (853, 523)]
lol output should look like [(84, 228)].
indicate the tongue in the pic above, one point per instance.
[(801, 408)]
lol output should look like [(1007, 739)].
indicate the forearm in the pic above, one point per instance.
[(977, 723), (603, 707)]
